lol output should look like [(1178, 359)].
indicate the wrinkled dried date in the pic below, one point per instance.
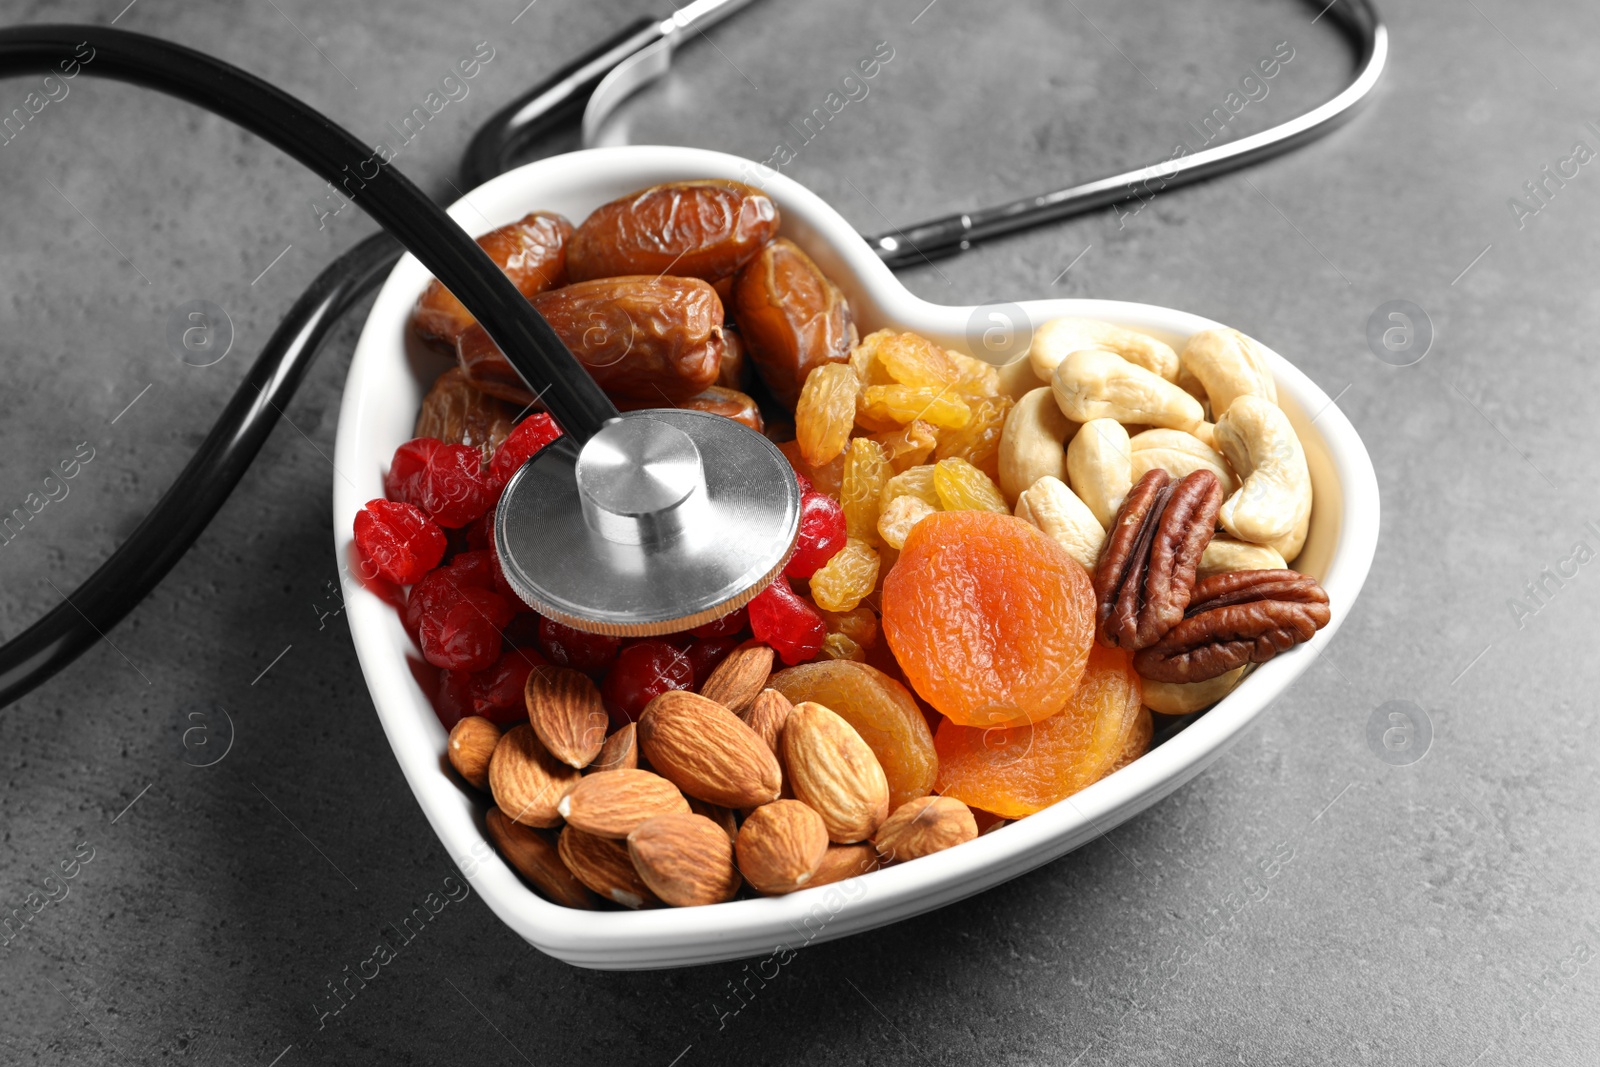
[(696, 229), (1146, 571), (656, 340), (458, 414), (1233, 619), (729, 403), (792, 318), (533, 253)]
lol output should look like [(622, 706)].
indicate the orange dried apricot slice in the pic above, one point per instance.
[(990, 619), (1018, 770), (882, 712)]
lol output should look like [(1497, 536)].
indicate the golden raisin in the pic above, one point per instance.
[(826, 412), (842, 582), (963, 487), (901, 404), (860, 491), (897, 519), (825, 479), (977, 378), (838, 646), (916, 481), (864, 359), (978, 442), (860, 624), (907, 446), (913, 360)]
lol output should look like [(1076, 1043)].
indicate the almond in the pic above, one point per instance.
[(531, 855), (718, 814), (924, 826), (842, 862), (741, 675), (526, 781), (702, 748), (766, 715), (565, 710), (612, 804), (685, 859), (780, 846), (602, 864), (472, 742), (834, 771), (619, 753)]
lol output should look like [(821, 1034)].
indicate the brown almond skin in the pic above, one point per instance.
[(531, 855), (718, 814), (602, 864), (457, 413), (780, 847), (766, 715), (533, 253), (842, 862), (740, 677), (698, 229), (924, 826), (565, 710), (791, 317), (612, 805), (685, 859), (620, 752), (832, 769), (706, 751), (471, 746), (526, 781)]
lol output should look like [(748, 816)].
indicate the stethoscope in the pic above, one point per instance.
[(608, 518)]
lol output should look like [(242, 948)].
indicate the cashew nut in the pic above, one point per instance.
[(1178, 454), (1017, 377), (1033, 443), (1191, 385), (1056, 510), (1096, 383), (1229, 365), (1059, 338), (1273, 505), (1180, 698), (1100, 467), (1224, 554), (1206, 432)]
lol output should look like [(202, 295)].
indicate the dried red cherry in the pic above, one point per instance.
[(445, 481), (822, 534), (790, 625), (732, 623), (705, 655), (644, 671), (497, 692), (464, 636), (398, 540), (578, 649), (531, 434)]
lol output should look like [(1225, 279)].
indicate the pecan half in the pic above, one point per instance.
[(1233, 619), (1144, 578)]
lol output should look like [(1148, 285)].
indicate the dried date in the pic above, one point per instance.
[(792, 318), (457, 413), (729, 403), (533, 253), (696, 229)]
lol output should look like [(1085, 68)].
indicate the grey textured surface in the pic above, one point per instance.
[(1303, 901)]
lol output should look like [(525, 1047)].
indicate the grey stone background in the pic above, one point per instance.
[(1302, 902)]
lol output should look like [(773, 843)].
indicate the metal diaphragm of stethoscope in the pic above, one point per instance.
[(647, 522)]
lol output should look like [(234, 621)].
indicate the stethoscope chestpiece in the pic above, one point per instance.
[(664, 520)]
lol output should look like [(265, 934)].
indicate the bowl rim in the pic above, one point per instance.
[(680, 936)]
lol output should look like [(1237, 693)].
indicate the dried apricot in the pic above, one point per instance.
[(826, 412), (900, 404), (866, 469), (842, 582), (990, 619), (1018, 770), (882, 712), (963, 487), (908, 446), (978, 442)]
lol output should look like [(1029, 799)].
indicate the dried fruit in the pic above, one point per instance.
[(471, 745), (532, 855), (990, 619), (685, 859), (533, 253), (914, 481), (978, 442), (975, 376), (847, 578), (705, 750), (858, 624), (698, 229), (603, 864), (619, 753), (565, 710), (822, 534), (912, 360), (398, 541), (824, 479), (766, 715), (582, 651), (1137, 743), (963, 487), (706, 656), (780, 846), (790, 625), (880, 710), (838, 646), (866, 470), (463, 633), (900, 404), (524, 442), (833, 770), (644, 671), (910, 445), (739, 677), (526, 781), (1018, 770), (614, 804), (458, 414), (896, 521), (826, 412), (445, 482), (924, 826), (791, 317)]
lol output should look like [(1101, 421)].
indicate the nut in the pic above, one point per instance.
[(471, 746), (614, 804), (1096, 383), (705, 750), (841, 862), (1273, 504), (1235, 619), (620, 752), (531, 855), (565, 710), (1059, 338), (603, 864), (1033, 443), (1056, 510), (1224, 554), (766, 716), (1181, 698), (1178, 453), (526, 781), (899, 516), (780, 846), (739, 677), (685, 859), (1100, 467), (718, 814), (924, 826), (1229, 365), (833, 770), (1143, 580)]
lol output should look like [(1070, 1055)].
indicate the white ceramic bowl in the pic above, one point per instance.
[(386, 384)]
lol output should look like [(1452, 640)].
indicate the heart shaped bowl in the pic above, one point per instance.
[(388, 378)]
